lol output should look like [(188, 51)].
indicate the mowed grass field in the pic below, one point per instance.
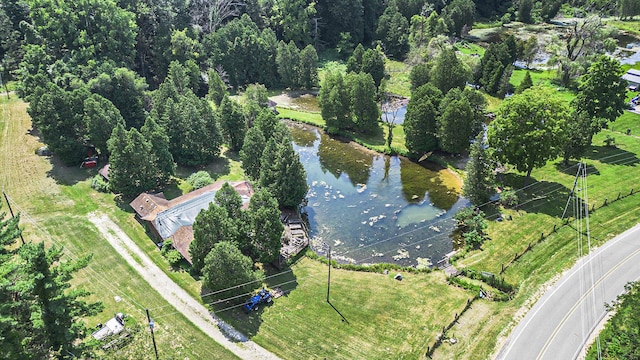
[(53, 202)]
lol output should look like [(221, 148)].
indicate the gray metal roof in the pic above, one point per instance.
[(631, 78), (169, 221)]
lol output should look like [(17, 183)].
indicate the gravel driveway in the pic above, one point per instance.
[(205, 320)]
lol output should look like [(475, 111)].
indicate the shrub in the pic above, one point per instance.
[(509, 198), (170, 253), (98, 183), (199, 179)]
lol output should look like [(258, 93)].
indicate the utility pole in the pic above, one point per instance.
[(329, 278), (151, 325), (11, 211)]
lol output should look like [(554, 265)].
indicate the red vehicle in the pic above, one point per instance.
[(90, 162)]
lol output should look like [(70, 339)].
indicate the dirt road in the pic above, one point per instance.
[(233, 340)]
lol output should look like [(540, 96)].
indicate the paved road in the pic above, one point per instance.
[(175, 295), (561, 322)]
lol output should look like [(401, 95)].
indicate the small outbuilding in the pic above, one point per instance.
[(632, 76)]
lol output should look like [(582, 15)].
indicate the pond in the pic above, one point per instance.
[(372, 208)]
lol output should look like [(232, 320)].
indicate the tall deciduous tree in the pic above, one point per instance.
[(227, 268), (266, 227), (528, 130), (420, 124), (479, 179)]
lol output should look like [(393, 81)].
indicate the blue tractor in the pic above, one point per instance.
[(262, 297)]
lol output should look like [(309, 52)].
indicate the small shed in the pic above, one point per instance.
[(632, 76), (114, 326), (104, 171)]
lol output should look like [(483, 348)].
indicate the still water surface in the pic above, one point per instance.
[(372, 208)]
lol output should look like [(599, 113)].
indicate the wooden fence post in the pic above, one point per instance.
[(631, 193), (554, 227), (605, 201)]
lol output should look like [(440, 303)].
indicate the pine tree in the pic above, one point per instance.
[(363, 102), (479, 180), (266, 227), (227, 268), (217, 88), (100, 117), (232, 122), (420, 120), (254, 144), (163, 160), (282, 173), (525, 84), (131, 171), (211, 226)]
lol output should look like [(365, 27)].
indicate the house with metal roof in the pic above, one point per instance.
[(632, 76), (173, 219)]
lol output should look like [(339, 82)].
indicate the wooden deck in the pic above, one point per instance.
[(295, 238)]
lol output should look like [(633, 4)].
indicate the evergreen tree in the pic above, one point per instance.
[(448, 71), (163, 163), (420, 124), (525, 84), (232, 122), (55, 323), (308, 67), (458, 14), (334, 102), (282, 173), (354, 63), (130, 172), (457, 123), (252, 148), (266, 227), (226, 267), (393, 29), (373, 64), (289, 65), (420, 75), (268, 123), (211, 226), (363, 102), (479, 179), (217, 88), (100, 118)]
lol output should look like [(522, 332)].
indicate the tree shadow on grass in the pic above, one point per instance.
[(545, 197), (69, 175), (571, 168), (231, 310), (612, 155)]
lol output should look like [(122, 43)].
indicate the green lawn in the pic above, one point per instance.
[(54, 201), (398, 78)]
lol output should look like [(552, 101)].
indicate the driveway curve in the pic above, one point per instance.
[(175, 295), (567, 315)]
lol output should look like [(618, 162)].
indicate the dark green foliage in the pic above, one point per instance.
[(579, 136), (127, 91), (343, 16), (40, 315), (363, 102), (163, 165), (354, 64), (629, 8), (266, 228), (251, 153), (292, 20), (288, 61), (420, 120), (525, 84), (529, 129), (86, 31), (308, 67), (170, 253), (457, 122), (373, 64), (58, 114), (493, 66), (478, 182), (217, 88), (130, 172), (211, 227), (448, 71), (620, 339), (226, 267), (459, 13), (245, 53), (524, 11), (232, 123), (199, 179), (393, 30), (334, 102), (282, 173), (420, 75), (100, 118)]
